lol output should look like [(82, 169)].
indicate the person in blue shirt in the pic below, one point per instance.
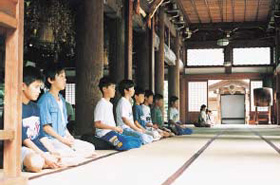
[(54, 116), (37, 152), (139, 119)]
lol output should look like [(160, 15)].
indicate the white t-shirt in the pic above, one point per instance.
[(104, 112), (147, 113), (174, 114), (124, 109), (60, 105)]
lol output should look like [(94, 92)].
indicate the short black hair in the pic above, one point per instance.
[(158, 97), (125, 84), (173, 99), (139, 90), (148, 93), (52, 70), (202, 107), (105, 82), (32, 74)]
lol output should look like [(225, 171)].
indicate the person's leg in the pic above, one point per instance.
[(84, 148), (144, 137), (122, 142), (184, 131), (30, 161)]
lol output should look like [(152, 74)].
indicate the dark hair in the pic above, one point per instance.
[(31, 74), (158, 97), (139, 90), (202, 107), (52, 70), (125, 85), (173, 99), (208, 111), (148, 93), (105, 82)]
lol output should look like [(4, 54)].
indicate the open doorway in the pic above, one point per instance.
[(229, 100)]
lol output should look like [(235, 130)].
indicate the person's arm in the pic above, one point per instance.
[(49, 130), (100, 125), (131, 125), (51, 161)]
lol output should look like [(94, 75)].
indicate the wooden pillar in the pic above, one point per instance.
[(174, 73), (182, 89), (182, 99), (277, 80), (13, 94), (89, 62), (129, 39), (228, 59), (152, 56), (116, 50), (159, 65), (143, 60)]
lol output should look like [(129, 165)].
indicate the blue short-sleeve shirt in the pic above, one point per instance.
[(51, 114), (139, 115)]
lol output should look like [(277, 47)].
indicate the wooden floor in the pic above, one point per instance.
[(222, 155)]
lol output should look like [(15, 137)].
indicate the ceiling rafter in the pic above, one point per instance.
[(245, 9), (208, 10), (221, 9), (195, 10), (233, 10), (258, 10), (181, 7)]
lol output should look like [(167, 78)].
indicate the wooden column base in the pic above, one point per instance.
[(14, 181)]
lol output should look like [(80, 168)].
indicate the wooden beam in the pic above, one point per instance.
[(221, 9), (255, 76), (14, 181), (7, 134), (245, 9), (153, 8), (258, 10), (7, 21), (227, 26), (185, 14), (169, 25), (195, 10), (232, 9), (208, 10)]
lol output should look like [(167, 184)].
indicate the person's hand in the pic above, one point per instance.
[(51, 161), (119, 130), (141, 131), (70, 137), (155, 126), (68, 142)]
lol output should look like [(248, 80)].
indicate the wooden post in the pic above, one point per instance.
[(174, 73), (159, 65), (182, 99), (129, 39), (116, 50), (152, 56), (13, 90), (143, 63), (228, 60), (89, 63), (277, 80)]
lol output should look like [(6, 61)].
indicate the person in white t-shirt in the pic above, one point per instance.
[(148, 100), (104, 121), (174, 120), (125, 115)]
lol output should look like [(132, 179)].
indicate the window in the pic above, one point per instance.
[(251, 56), (197, 95), (205, 57), (70, 92), (254, 85)]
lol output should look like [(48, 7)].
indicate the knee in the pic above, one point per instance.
[(33, 162)]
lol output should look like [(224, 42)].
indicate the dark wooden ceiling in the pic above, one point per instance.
[(219, 11)]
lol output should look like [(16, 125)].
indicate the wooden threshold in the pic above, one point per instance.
[(7, 21), (14, 180)]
